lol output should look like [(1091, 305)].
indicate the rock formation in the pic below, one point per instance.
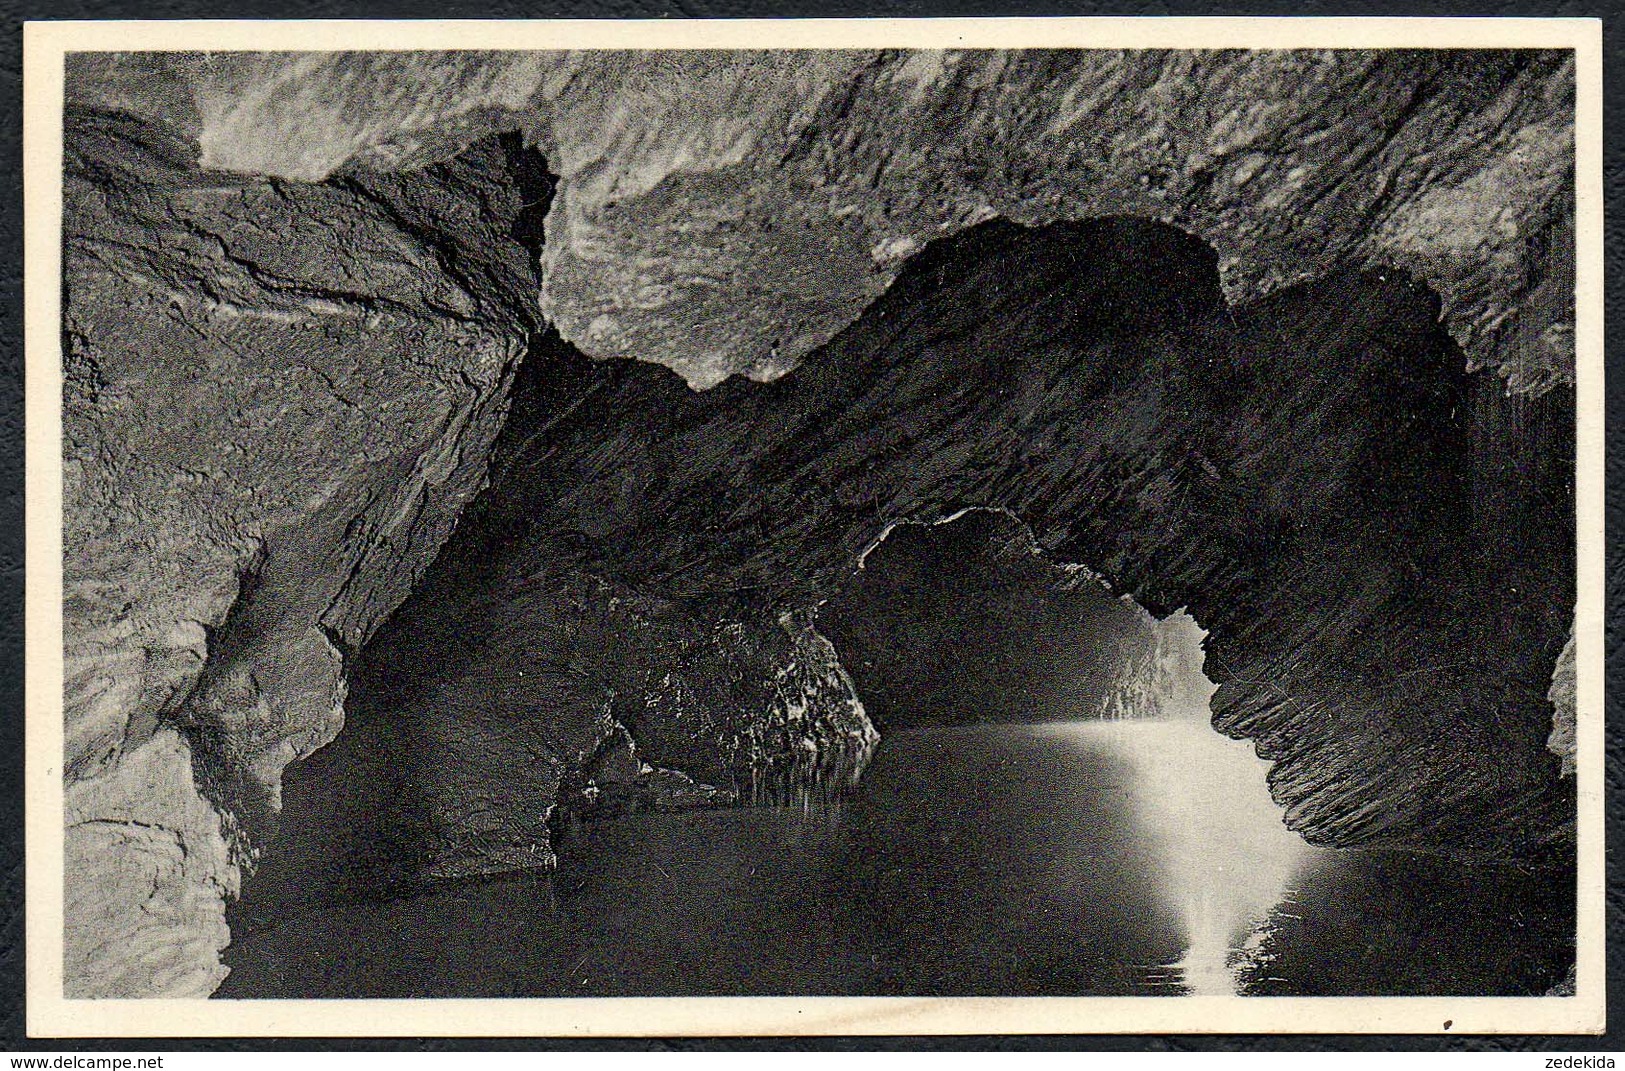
[(728, 212), (1299, 473), (278, 400), (298, 294)]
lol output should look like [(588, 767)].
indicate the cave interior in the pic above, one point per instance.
[(904, 534), (557, 620)]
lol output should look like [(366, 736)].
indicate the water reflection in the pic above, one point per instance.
[(1129, 858), (1389, 922), (1222, 856)]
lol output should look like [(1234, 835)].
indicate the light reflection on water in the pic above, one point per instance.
[(1134, 858), (1224, 858)]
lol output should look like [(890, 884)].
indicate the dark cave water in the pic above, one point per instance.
[(1076, 858)]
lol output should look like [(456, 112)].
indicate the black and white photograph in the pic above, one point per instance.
[(1011, 514)]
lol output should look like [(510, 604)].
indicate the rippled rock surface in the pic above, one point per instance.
[(729, 212), (278, 399), (302, 298)]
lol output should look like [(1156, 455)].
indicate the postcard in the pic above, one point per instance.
[(814, 527)]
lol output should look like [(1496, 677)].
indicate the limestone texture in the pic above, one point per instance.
[(1305, 369), (278, 399), (728, 212)]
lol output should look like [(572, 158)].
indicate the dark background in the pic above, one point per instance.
[(12, 508)]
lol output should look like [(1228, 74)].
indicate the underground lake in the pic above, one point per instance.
[(1062, 820), (486, 581), (1073, 858)]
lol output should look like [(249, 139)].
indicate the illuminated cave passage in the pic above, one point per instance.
[(1084, 832), (657, 649), (964, 621), (490, 443)]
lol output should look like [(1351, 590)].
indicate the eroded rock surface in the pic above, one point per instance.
[(278, 400), (727, 213), (1313, 476), (148, 873), (282, 392)]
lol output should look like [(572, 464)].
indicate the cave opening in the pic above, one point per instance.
[(670, 604), (1078, 725), (1047, 810), (965, 621)]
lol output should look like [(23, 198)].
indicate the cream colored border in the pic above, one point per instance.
[(50, 1015)]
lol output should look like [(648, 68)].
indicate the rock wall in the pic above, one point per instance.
[(296, 293), (492, 715), (1306, 475), (729, 212), (964, 621), (278, 399), (1301, 473)]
